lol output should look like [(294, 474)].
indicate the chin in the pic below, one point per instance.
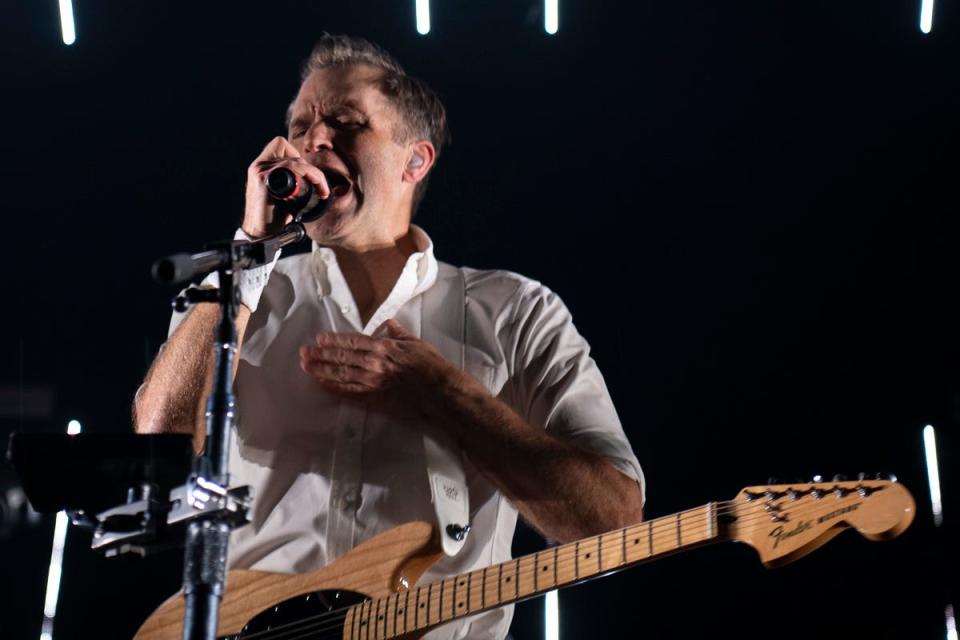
[(332, 226)]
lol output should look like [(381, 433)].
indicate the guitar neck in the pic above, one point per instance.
[(532, 575)]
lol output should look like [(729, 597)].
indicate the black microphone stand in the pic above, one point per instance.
[(205, 556)]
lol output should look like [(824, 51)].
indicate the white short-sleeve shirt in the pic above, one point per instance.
[(329, 473)]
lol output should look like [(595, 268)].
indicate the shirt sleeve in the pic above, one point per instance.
[(558, 386)]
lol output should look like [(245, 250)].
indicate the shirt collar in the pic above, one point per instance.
[(419, 273)]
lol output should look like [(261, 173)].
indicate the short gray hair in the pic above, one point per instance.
[(422, 114)]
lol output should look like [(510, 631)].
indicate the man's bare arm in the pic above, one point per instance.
[(566, 493), (173, 396)]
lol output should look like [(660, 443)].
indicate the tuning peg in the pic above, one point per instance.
[(773, 480), (892, 477), (862, 476), (839, 478), (816, 478)]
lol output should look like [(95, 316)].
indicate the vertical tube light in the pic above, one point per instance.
[(926, 15), (67, 28), (551, 618), (423, 17), (933, 473), (56, 561), (551, 16)]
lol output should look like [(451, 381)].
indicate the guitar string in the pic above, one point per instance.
[(668, 520), (336, 616)]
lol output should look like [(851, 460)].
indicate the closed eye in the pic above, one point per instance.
[(345, 123)]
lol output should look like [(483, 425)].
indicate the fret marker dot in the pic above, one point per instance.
[(422, 605), (636, 541), (400, 612), (508, 578), (545, 568), (588, 555), (460, 605)]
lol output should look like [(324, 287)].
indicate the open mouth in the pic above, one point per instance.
[(339, 184)]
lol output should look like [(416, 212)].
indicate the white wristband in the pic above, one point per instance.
[(252, 281)]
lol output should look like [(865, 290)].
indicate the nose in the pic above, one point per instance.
[(318, 136)]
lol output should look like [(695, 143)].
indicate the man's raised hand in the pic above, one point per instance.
[(391, 367), (260, 217)]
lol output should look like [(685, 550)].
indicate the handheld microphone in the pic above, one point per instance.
[(295, 195)]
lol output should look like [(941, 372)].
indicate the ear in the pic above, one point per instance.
[(422, 156)]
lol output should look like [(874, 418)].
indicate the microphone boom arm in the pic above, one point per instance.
[(225, 256)]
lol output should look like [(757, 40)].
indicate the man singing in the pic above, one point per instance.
[(354, 358)]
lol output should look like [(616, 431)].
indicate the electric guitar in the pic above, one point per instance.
[(369, 593)]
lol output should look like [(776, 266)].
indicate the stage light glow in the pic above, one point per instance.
[(926, 16), (423, 17), (551, 611), (933, 473), (66, 22), (56, 560), (551, 16), (951, 623)]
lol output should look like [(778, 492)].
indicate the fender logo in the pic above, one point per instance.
[(779, 534)]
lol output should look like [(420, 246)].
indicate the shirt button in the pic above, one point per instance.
[(345, 308), (349, 502)]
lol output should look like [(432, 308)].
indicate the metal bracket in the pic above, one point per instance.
[(140, 528)]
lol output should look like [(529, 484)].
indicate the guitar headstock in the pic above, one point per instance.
[(784, 522)]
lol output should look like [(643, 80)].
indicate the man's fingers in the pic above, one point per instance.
[(260, 217), (396, 330), (277, 148), (301, 167), (393, 329), (356, 341), (347, 357), (344, 388), (280, 153), (313, 175), (327, 373)]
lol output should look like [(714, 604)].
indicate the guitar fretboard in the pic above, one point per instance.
[(528, 576)]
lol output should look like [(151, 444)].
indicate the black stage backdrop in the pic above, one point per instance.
[(747, 206)]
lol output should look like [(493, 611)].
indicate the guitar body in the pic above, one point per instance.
[(386, 564)]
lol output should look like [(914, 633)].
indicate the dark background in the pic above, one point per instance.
[(749, 207)]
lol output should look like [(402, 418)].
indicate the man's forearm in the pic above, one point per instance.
[(563, 491), (172, 398)]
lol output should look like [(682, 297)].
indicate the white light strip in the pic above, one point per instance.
[(423, 17), (551, 16), (551, 610), (926, 16), (56, 560), (933, 473), (951, 623), (66, 22)]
